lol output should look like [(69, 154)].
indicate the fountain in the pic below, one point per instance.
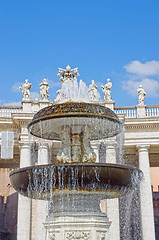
[(76, 183)]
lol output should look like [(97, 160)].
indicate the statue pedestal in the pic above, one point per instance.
[(110, 104), (77, 216), (141, 111), (44, 103), (27, 105)]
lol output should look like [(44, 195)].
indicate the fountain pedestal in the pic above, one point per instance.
[(77, 216)]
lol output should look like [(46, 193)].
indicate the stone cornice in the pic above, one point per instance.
[(143, 146), (22, 118), (141, 125), (139, 141), (6, 126)]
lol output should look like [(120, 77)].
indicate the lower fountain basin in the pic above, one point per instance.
[(44, 181)]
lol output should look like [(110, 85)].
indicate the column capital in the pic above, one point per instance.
[(110, 143), (143, 147), (23, 145), (95, 143), (42, 146)]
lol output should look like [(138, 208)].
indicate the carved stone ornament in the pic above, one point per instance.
[(67, 74), (52, 237), (101, 236), (78, 235)]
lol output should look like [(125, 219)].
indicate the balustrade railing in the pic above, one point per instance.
[(152, 110), (6, 111), (130, 112)]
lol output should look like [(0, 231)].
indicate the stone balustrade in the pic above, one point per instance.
[(130, 112), (152, 111), (6, 111)]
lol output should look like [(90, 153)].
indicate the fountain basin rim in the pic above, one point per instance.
[(106, 179), (122, 166), (71, 110), (91, 115)]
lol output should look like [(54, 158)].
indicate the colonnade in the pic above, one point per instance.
[(146, 204), (24, 203), (111, 205), (24, 225), (41, 205)]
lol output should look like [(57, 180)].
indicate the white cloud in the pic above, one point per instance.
[(53, 84), (151, 86), (1, 102), (4, 103), (149, 68), (13, 103), (35, 95), (139, 74), (15, 87)]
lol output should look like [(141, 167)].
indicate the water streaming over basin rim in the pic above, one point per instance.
[(47, 123), (43, 181)]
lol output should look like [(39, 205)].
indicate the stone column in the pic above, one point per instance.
[(95, 146), (113, 204), (41, 205), (146, 205), (24, 203), (43, 154)]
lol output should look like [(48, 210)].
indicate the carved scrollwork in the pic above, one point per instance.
[(101, 236), (78, 235)]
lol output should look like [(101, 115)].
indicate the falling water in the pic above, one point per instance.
[(120, 144), (75, 91), (130, 228)]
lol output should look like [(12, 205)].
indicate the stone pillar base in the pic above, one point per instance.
[(141, 111), (77, 216), (27, 105), (110, 104), (44, 103)]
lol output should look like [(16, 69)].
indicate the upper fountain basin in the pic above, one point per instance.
[(47, 123)]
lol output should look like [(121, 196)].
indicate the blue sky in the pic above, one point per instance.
[(117, 39)]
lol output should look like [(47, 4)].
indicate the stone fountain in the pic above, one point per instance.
[(76, 183)]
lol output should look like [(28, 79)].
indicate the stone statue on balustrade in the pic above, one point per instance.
[(93, 91), (26, 90), (141, 95), (60, 96), (107, 90), (44, 87)]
